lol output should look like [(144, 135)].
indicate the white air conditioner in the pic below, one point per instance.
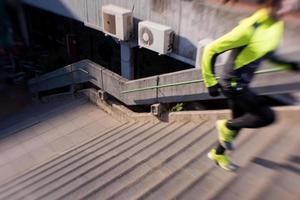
[(156, 37), (117, 22), (201, 45)]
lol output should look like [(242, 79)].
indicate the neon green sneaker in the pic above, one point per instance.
[(226, 136), (222, 160)]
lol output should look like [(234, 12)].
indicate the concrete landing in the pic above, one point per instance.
[(45, 131)]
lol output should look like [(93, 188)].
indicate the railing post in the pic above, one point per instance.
[(72, 74), (102, 81), (72, 88), (102, 95), (157, 84), (160, 111), (37, 78)]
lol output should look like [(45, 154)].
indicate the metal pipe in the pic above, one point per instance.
[(80, 70), (277, 69), (157, 86)]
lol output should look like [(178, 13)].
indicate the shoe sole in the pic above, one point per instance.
[(211, 158), (226, 169)]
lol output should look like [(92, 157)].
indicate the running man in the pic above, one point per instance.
[(254, 39)]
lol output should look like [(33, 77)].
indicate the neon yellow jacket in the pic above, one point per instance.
[(254, 43)]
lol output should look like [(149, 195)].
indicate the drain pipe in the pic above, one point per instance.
[(127, 61)]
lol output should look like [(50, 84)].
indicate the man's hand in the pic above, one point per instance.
[(295, 66), (214, 90), (226, 1), (288, 6)]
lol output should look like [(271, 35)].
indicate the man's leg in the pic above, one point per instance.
[(236, 112), (249, 111), (257, 113), (218, 154)]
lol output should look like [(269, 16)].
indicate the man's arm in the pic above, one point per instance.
[(289, 5), (238, 37), (283, 62)]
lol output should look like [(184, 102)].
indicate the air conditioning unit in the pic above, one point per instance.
[(117, 22), (156, 37), (201, 45)]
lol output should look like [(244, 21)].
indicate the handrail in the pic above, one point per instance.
[(276, 69), (72, 71)]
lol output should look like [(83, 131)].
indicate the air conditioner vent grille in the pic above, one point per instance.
[(156, 37), (109, 23), (146, 36), (117, 22)]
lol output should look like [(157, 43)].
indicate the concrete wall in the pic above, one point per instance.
[(74, 9), (271, 83), (192, 20)]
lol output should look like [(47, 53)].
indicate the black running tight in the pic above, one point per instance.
[(248, 111)]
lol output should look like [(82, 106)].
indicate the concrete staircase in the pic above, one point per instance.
[(46, 130), (36, 113), (143, 160)]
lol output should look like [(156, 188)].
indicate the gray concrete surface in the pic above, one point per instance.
[(58, 127), (143, 160)]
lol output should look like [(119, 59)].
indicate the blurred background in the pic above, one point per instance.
[(40, 36), (59, 65)]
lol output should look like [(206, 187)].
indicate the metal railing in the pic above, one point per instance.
[(66, 73), (276, 69), (38, 81)]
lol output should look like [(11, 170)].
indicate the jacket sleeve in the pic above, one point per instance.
[(238, 37), (282, 62), (278, 60)]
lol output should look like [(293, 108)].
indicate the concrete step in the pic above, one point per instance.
[(120, 164), (59, 162), (285, 184), (160, 167), (261, 178), (212, 182), (287, 181), (167, 161), (40, 108), (184, 174), (36, 115), (58, 133), (82, 156), (137, 161)]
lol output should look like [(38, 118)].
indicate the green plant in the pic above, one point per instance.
[(178, 107)]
